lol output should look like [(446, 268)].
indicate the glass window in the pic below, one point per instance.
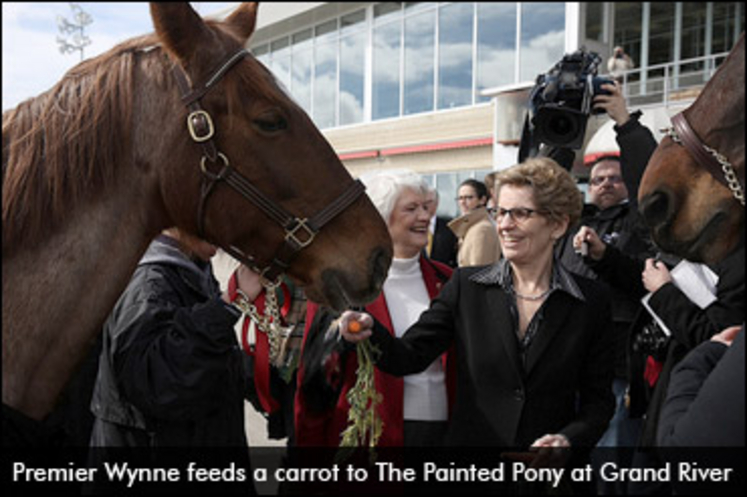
[(496, 46), (661, 34), (387, 11), (302, 39), (352, 67), (260, 51), (352, 22), (325, 82), (542, 38), (386, 57), (447, 185), (693, 36), (280, 61), (455, 55), (420, 39), (412, 6), (594, 21), (302, 60), (628, 20), (325, 74), (325, 31), (352, 80), (727, 25)]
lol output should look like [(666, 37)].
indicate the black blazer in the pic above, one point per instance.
[(564, 387)]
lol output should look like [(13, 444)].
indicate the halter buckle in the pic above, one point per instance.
[(200, 119), (290, 234)]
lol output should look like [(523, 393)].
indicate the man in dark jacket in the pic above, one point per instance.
[(443, 244), (171, 372)]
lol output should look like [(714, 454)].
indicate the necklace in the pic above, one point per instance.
[(533, 298)]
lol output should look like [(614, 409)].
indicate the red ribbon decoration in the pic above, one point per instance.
[(652, 371)]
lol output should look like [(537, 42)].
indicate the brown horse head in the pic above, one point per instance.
[(690, 211), (105, 160), (269, 140)]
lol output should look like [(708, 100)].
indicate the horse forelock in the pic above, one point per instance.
[(64, 146)]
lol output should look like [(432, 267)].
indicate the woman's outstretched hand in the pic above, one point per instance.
[(355, 326)]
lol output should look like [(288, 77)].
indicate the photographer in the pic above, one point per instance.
[(619, 64)]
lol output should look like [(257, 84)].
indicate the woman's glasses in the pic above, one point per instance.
[(518, 214)]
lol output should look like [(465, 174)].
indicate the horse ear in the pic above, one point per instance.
[(180, 28), (243, 20)]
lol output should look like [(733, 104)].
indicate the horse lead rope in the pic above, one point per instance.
[(683, 134)]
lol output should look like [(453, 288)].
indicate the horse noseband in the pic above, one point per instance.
[(299, 231), (716, 164)]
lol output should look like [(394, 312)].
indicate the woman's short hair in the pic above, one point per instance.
[(385, 187), (555, 190)]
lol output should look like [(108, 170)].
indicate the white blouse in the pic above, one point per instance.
[(406, 296)]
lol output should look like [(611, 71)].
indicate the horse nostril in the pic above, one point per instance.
[(655, 208)]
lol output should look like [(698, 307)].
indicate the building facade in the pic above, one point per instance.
[(441, 88)]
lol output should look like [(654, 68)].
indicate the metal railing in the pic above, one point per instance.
[(671, 83)]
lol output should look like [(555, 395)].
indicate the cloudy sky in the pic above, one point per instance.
[(32, 61)]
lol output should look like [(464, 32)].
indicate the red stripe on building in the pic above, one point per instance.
[(369, 154)]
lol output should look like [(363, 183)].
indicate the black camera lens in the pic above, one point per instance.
[(562, 126)]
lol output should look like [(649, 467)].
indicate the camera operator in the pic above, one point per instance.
[(559, 108)]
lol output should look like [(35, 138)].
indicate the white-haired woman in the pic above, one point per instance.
[(414, 409)]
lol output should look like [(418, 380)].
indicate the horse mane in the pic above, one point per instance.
[(63, 146)]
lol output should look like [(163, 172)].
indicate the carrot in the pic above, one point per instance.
[(354, 327)]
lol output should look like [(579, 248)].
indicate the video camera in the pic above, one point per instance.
[(560, 104)]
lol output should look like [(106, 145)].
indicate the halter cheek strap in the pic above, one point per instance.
[(216, 168), (716, 164)]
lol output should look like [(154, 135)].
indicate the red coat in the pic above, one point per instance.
[(313, 429)]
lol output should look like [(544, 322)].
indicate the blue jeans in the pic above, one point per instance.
[(622, 433)]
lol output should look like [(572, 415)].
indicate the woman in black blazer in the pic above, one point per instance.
[(533, 342)]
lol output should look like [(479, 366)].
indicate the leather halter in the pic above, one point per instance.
[(713, 162), (299, 231)]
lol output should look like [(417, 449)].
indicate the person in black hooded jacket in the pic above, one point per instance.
[(171, 372)]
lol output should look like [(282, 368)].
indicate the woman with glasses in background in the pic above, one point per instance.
[(478, 239), (532, 341)]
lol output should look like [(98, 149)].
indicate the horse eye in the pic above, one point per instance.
[(271, 124)]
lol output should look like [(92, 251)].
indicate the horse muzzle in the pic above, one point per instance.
[(342, 289)]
